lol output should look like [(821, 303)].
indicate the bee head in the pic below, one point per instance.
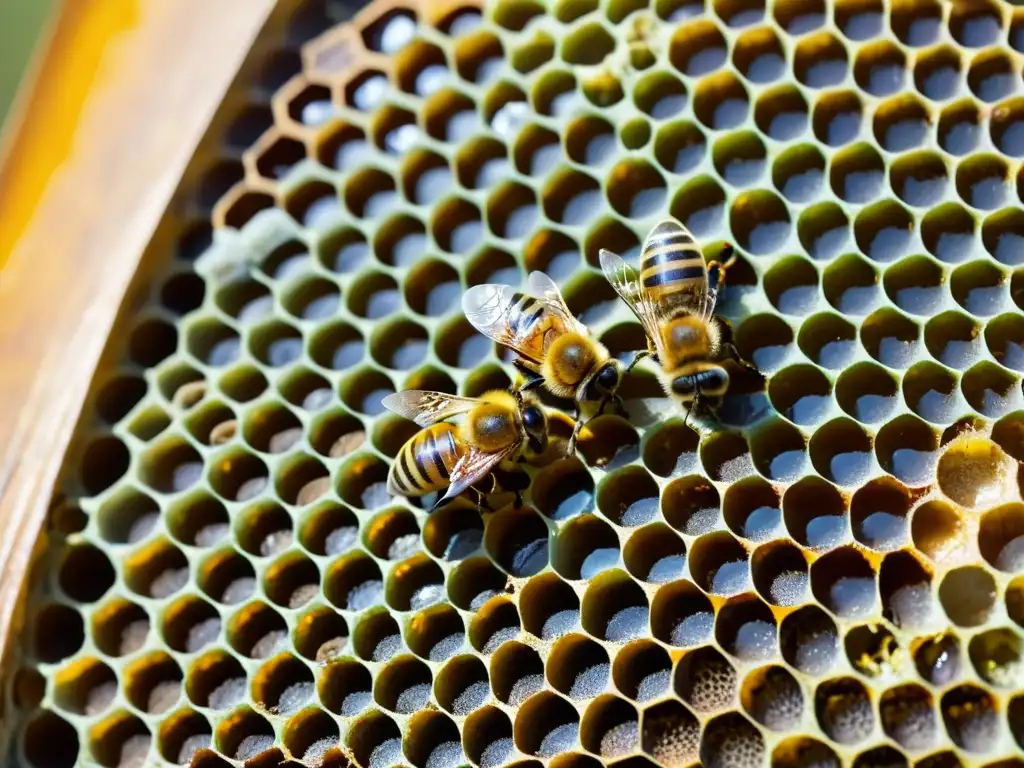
[(605, 381), (536, 425)]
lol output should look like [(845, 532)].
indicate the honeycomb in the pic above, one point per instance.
[(828, 577)]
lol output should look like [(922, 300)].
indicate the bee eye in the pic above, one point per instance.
[(608, 378), (533, 418)]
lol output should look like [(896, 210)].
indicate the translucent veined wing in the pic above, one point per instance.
[(626, 282), (426, 408), (673, 276), (541, 286), (493, 310), (474, 465)]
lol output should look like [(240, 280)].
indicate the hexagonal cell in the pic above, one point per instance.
[(610, 727), (983, 181), (344, 687), (781, 113), (844, 582), (819, 60), (880, 68), (671, 734), (314, 735), (971, 718), (974, 471), (746, 629), (375, 740), (938, 72), (809, 640), (731, 740), (780, 573), (578, 667), (814, 511), (546, 726), (772, 696), (478, 56), (800, 751), (721, 102), (844, 711)]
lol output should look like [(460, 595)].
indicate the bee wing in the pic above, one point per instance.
[(681, 267), (489, 308), (426, 408), (473, 466), (626, 282), (543, 288)]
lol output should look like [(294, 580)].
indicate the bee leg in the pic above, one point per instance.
[(637, 357), (571, 448), (734, 353), (481, 501)]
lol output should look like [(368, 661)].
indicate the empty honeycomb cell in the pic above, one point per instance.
[(814, 512), (86, 687), (661, 95), (614, 607), (478, 56), (635, 189), (495, 623), (1006, 433), (990, 389), (721, 102), (780, 573), (546, 725), (823, 230), (907, 448), (758, 54), (243, 383), (1001, 537), (264, 529), (953, 339), (235, 475), (392, 534), (699, 205), (152, 683), (642, 671), (905, 585), (183, 734), (50, 740), (655, 554), (431, 288), (487, 737), (841, 452), (517, 673), (152, 341), (328, 529), (240, 206), (415, 583), (778, 450), (104, 461), (827, 339), (948, 232), (670, 734), (890, 337), (932, 392), (584, 547), (403, 685), (462, 687), (311, 735), (339, 146), (118, 396), (292, 580), (353, 582), (578, 668), (453, 532), (344, 687), (562, 490), (960, 127), (1004, 336), (277, 157), (971, 718), (804, 752), (119, 627), (432, 739), (120, 739), (772, 696), (760, 222), (610, 727), (1006, 127), (726, 457), (512, 210), (745, 627), (377, 636), (798, 173), (983, 181), (878, 514), (375, 741), (157, 570), (336, 434), (257, 631), (570, 197), (127, 517), (475, 581), (719, 563), (363, 481), (682, 615), (880, 68), (549, 606), (535, 151), (321, 635), (992, 76), (554, 94), (190, 623), (740, 158), (920, 178), (843, 580)]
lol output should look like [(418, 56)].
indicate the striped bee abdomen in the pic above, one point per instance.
[(672, 263), (425, 462)]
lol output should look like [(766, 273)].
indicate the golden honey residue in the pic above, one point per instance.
[(975, 472)]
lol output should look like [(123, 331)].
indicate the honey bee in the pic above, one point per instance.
[(673, 295), (499, 427), (552, 347)]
